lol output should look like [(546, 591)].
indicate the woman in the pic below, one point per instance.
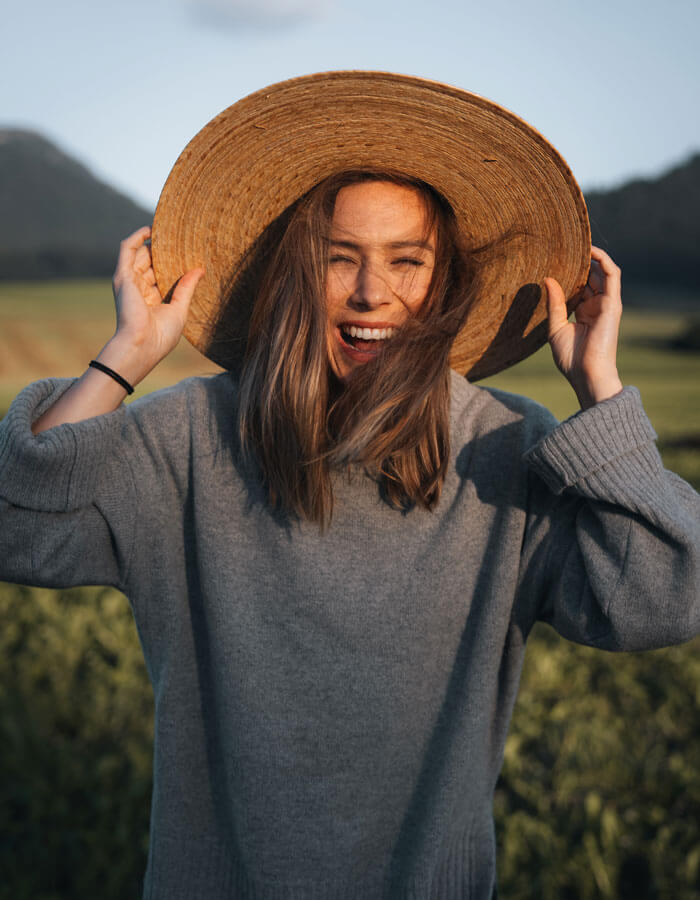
[(335, 554)]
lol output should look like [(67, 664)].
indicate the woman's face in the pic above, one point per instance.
[(380, 266)]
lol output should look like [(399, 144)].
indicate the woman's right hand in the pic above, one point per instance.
[(147, 327), (147, 330)]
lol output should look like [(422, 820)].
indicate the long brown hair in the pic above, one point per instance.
[(392, 415)]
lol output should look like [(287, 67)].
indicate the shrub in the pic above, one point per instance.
[(76, 736), (600, 790), (599, 795)]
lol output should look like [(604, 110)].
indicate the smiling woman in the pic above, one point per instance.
[(336, 549), (394, 270)]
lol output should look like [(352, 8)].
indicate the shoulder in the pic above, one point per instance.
[(477, 411), (197, 396), (200, 406)]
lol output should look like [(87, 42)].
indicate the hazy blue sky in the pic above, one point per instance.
[(124, 85)]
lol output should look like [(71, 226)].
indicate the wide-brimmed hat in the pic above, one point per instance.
[(226, 198)]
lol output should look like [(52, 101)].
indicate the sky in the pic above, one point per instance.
[(123, 86)]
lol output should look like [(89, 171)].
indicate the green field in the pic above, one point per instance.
[(599, 796)]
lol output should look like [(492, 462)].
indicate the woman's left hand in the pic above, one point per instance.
[(585, 351)]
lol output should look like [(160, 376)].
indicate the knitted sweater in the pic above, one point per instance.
[(331, 709)]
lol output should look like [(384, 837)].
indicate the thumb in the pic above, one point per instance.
[(557, 312), (182, 295)]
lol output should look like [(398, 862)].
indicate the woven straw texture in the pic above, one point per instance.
[(229, 189)]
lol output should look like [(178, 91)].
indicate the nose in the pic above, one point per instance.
[(371, 288)]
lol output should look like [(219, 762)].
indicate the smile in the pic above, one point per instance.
[(358, 337)]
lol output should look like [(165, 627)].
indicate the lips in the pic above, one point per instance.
[(362, 342), (365, 333)]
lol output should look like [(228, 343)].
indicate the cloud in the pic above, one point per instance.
[(256, 14)]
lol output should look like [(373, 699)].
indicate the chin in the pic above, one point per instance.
[(340, 376)]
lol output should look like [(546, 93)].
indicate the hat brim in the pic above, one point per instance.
[(240, 173)]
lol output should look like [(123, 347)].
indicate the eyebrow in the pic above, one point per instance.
[(393, 245)]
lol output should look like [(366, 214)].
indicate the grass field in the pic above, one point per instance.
[(55, 328)]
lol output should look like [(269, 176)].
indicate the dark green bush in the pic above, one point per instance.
[(76, 733), (599, 797), (600, 790)]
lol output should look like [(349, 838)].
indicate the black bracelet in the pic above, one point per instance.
[(118, 378)]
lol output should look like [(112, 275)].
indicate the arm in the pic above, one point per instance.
[(612, 551), (147, 330), (59, 550), (70, 451), (75, 499), (66, 496)]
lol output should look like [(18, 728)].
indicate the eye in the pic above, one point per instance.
[(408, 261), (336, 258)]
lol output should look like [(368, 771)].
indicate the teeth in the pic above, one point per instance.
[(368, 334)]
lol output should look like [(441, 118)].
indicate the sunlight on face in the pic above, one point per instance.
[(379, 270)]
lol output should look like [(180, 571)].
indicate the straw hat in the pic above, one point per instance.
[(225, 199)]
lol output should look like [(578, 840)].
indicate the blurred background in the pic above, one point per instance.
[(600, 791)]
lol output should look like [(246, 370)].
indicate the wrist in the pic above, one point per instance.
[(115, 376), (592, 391), (127, 357)]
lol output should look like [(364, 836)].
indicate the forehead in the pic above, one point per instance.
[(379, 210)]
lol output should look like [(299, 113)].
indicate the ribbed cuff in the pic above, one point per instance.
[(615, 430), (56, 470)]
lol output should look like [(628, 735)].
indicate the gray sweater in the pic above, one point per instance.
[(331, 709)]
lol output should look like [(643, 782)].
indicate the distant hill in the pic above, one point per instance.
[(651, 227), (56, 218)]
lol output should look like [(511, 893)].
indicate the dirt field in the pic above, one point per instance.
[(53, 329)]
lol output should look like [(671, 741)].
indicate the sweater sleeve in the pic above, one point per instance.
[(70, 496), (611, 556)]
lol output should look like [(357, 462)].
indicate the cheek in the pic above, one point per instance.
[(417, 289), (336, 290)]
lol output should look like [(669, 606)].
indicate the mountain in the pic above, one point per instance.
[(56, 218), (651, 227)]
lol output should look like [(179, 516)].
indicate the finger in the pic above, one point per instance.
[(129, 246), (605, 262), (149, 288), (142, 259), (136, 238), (152, 295), (557, 312), (596, 278), (185, 288), (600, 254)]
